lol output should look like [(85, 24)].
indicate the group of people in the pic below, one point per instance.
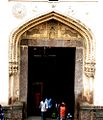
[(51, 109), (45, 106)]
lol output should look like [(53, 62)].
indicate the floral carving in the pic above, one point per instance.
[(13, 67), (89, 69)]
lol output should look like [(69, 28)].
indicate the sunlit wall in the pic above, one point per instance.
[(87, 12), (3, 52)]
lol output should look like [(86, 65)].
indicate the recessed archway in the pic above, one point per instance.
[(51, 72), (60, 31)]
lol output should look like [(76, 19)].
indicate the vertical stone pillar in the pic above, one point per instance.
[(23, 73), (89, 71), (78, 78), (79, 71), (13, 81)]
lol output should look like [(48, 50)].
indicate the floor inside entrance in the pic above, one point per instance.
[(38, 118), (50, 74), (33, 118)]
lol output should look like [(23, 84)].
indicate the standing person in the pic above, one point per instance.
[(49, 107), (58, 110), (1, 113), (62, 111), (46, 102), (54, 110), (43, 107)]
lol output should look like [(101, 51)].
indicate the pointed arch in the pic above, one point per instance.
[(73, 23), (87, 39)]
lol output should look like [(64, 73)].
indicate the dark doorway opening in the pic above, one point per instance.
[(51, 73)]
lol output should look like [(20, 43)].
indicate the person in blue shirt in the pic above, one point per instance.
[(49, 102)]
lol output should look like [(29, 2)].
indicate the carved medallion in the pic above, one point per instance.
[(19, 10)]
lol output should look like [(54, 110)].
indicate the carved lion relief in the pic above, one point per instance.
[(52, 30)]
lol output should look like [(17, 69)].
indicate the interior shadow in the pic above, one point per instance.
[(51, 72)]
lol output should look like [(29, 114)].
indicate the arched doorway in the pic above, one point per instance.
[(56, 31)]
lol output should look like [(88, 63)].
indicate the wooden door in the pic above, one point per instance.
[(38, 89)]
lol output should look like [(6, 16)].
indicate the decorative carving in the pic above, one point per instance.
[(53, 5), (88, 98), (52, 33), (34, 30), (69, 32), (71, 11), (89, 69), (13, 67), (52, 29), (19, 10)]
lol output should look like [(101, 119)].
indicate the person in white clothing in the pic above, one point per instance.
[(43, 107)]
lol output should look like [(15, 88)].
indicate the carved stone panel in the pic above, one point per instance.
[(52, 29), (78, 71), (23, 73), (89, 69)]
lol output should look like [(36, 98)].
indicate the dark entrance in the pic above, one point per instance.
[(51, 72)]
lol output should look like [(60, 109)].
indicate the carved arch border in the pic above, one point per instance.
[(89, 48)]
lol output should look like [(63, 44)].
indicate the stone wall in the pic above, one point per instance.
[(13, 112), (91, 113), (86, 112)]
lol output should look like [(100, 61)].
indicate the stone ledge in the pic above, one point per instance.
[(91, 112), (13, 112)]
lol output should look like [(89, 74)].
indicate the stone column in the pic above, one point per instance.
[(78, 79), (13, 82), (23, 73), (89, 71)]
